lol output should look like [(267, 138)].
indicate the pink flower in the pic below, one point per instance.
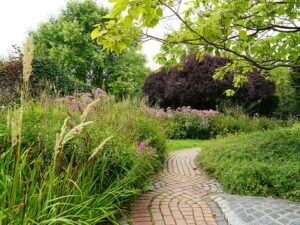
[(151, 151), (141, 148)]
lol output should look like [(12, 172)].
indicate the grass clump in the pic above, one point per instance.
[(264, 163), (72, 167)]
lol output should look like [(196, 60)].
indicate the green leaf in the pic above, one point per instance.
[(133, 12), (128, 21), (95, 33), (227, 22), (159, 12), (229, 93), (139, 47), (243, 35)]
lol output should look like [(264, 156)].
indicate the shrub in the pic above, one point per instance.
[(294, 76), (189, 127), (46, 71), (155, 86), (46, 76), (226, 124), (261, 163), (192, 84), (186, 122), (89, 179), (10, 78)]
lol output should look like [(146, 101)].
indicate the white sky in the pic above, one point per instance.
[(17, 17)]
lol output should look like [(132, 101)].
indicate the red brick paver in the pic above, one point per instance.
[(178, 200)]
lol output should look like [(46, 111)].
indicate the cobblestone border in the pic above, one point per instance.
[(218, 214), (229, 215), (253, 210)]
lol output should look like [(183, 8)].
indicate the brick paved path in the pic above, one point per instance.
[(177, 198)]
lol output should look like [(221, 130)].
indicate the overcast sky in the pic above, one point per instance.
[(17, 17)]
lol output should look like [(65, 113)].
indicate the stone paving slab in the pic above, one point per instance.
[(248, 210)]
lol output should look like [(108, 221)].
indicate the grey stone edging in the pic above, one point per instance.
[(251, 210), (229, 215)]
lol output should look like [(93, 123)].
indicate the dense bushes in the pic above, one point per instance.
[(46, 76), (188, 123), (46, 71), (81, 172), (10, 78), (193, 84), (261, 163), (227, 124), (189, 126), (155, 87)]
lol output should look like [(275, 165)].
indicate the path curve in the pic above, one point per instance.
[(177, 198)]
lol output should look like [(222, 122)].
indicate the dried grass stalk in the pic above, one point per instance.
[(75, 131), (88, 109), (96, 150), (27, 60)]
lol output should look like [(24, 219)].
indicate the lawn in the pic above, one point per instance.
[(177, 144)]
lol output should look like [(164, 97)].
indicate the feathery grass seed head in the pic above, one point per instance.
[(27, 59), (88, 109), (96, 150)]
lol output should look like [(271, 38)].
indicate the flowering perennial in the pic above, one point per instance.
[(143, 146), (185, 110)]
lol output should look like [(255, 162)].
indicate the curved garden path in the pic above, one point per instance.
[(180, 196), (185, 195)]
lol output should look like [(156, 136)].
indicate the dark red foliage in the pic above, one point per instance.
[(10, 77), (10, 73), (155, 86), (192, 84)]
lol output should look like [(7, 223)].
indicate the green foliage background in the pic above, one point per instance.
[(66, 40)]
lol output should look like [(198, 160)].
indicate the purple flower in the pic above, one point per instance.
[(151, 151), (141, 148)]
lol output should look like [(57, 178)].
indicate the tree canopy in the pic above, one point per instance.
[(66, 40), (260, 33), (192, 84)]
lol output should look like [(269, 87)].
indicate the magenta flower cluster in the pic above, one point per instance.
[(143, 146), (185, 110), (79, 101)]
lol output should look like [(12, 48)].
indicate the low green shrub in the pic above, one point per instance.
[(264, 163), (188, 127), (191, 126), (88, 179), (223, 124)]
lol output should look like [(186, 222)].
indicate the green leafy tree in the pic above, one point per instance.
[(260, 33), (66, 40), (122, 74), (286, 92)]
